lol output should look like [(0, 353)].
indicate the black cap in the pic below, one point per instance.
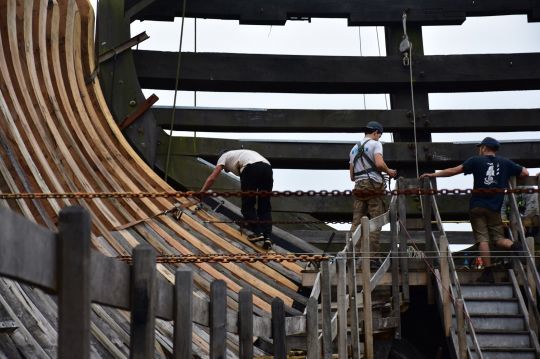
[(490, 142), (374, 125)]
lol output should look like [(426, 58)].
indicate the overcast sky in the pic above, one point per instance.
[(502, 34)]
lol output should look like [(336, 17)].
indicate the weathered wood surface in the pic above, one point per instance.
[(336, 74), (364, 12), (343, 121), (329, 155), (58, 135)]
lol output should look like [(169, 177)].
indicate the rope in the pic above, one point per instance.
[(179, 60)]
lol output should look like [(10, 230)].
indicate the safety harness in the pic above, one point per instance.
[(361, 155)]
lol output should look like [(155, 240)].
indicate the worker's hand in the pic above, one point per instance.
[(426, 175), (392, 173)]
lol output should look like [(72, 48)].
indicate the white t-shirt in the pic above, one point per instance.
[(236, 160), (371, 148)]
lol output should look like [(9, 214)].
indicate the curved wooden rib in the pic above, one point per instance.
[(57, 135)]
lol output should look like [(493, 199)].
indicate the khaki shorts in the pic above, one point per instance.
[(486, 225)]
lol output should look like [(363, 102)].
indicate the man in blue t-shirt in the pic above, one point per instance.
[(489, 171)]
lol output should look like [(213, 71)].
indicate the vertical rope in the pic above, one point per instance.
[(413, 112), (360, 43), (175, 90)]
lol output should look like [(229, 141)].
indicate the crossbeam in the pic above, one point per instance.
[(358, 12)]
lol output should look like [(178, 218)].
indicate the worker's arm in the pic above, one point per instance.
[(381, 165), (212, 178), (524, 172), (351, 172), (448, 172)]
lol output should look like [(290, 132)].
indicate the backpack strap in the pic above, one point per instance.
[(363, 156)]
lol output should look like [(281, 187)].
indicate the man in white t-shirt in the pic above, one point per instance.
[(255, 174), (365, 166)]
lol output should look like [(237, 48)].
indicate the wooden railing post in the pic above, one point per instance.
[(74, 283), (426, 208), (404, 264), (532, 285), (245, 323), (342, 306), (143, 299), (396, 310), (462, 335), (312, 329), (326, 303), (183, 314), (278, 329), (353, 306), (366, 288), (445, 279), (218, 319)]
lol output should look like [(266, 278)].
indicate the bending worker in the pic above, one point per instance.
[(255, 174), (489, 171), (365, 166)]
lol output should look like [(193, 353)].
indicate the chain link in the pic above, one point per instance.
[(235, 258), (298, 193)]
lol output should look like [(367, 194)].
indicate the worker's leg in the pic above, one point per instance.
[(264, 206), (359, 207), (481, 233), (248, 183), (376, 207)]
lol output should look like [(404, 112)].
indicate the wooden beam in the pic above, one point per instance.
[(343, 121), (332, 155), (360, 12), (336, 74)]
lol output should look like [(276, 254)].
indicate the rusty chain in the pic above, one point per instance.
[(235, 258), (298, 193)]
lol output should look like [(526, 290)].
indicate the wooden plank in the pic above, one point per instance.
[(461, 329), (366, 289), (396, 295), (328, 155), (74, 283), (27, 251), (143, 299), (445, 283), (218, 320), (342, 306), (245, 324), (110, 273), (343, 121), (278, 329), (312, 329), (326, 303), (358, 13), (336, 74), (183, 314), (352, 290), (426, 209)]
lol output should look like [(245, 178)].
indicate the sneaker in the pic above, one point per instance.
[(254, 238), (486, 276), (267, 244)]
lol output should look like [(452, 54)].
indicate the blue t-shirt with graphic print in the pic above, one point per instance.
[(490, 172)]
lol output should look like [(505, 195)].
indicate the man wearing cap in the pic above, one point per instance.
[(255, 174), (365, 166), (489, 171)]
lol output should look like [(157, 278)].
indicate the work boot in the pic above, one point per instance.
[(486, 276)]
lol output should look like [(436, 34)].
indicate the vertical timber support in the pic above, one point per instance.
[(366, 288), (353, 307), (396, 309), (245, 323), (428, 235), (342, 306), (312, 313), (326, 303), (462, 335), (404, 264), (74, 283), (218, 319), (532, 286), (445, 282), (143, 301), (278, 329), (183, 314)]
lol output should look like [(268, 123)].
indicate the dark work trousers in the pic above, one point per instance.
[(257, 177)]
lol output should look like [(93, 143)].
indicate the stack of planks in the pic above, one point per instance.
[(57, 136)]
